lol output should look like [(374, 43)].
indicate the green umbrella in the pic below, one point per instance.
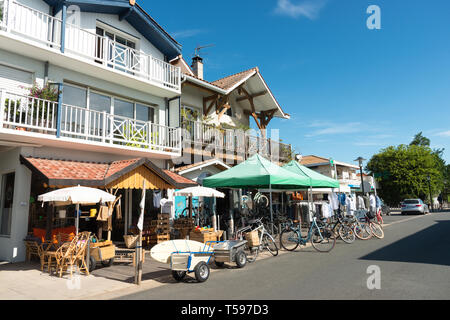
[(317, 180), (257, 172)]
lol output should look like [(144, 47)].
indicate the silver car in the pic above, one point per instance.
[(416, 206)]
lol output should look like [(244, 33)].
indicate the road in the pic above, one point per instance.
[(413, 260)]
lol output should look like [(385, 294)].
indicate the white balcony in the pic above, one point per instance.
[(232, 141), (29, 119), (33, 26)]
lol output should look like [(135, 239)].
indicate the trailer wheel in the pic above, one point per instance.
[(241, 259), (108, 263), (92, 263), (178, 275), (219, 264), (201, 272)]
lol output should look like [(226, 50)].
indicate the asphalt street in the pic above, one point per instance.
[(413, 261)]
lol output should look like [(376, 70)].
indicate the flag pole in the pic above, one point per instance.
[(138, 254)]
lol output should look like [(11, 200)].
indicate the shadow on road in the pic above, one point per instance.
[(430, 246)]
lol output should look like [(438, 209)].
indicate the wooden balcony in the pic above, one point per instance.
[(231, 145)]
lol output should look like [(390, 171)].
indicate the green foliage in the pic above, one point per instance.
[(408, 168), (420, 140)]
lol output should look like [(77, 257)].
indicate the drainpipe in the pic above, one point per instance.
[(63, 26), (46, 73), (59, 110)]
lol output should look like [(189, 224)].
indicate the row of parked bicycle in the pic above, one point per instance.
[(321, 233)]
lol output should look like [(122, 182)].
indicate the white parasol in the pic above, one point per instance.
[(77, 195), (200, 192)]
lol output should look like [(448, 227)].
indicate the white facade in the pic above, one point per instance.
[(28, 54)]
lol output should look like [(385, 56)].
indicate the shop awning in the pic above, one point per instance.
[(317, 180), (123, 174), (257, 172)]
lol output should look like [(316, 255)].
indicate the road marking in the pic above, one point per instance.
[(412, 218)]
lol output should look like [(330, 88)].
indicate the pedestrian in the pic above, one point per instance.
[(440, 200)]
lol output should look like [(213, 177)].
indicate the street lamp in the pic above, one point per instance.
[(429, 188), (360, 161)]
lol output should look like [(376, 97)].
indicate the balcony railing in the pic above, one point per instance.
[(22, 112), (34, 25), (233, 141)]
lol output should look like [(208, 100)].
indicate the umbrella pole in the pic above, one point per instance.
[(77, 221), (271, 209), (214, 218)]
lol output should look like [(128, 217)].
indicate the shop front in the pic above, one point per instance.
[(115, 222)]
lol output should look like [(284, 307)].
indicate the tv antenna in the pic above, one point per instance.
[(198, 48)]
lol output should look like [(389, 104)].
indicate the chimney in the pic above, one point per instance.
[(197, 67)]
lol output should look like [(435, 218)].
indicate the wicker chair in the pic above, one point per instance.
[(80, 256), (70, 254), (64, 256)]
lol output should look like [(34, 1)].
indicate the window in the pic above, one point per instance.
[(99, 102), (229, 112), (6, 203), (124, 108), (75, 96), (145, 113), (117, 49)]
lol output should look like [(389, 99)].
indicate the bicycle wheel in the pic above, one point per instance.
[(269, 244), (323, 240), (377, 230), (251, 253), (346, 233), (262, 200), (289, 239), (362, 231)]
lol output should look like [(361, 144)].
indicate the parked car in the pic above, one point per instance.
[(414, 206)]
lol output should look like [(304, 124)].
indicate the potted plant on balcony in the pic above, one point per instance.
[(42, 107), (16, 117)]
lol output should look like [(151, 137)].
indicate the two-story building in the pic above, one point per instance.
[(86, 93), (216, 116), (96, 93), (346, 173)]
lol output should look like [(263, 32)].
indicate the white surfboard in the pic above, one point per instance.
[(162, 251)]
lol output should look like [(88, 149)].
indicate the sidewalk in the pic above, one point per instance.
[(25, 281)]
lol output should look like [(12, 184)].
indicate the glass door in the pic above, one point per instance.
[(99, 103), (6, 202)]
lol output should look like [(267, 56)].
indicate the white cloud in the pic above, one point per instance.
[(443, 134), (328, 128), (186, 33), (309, 9)]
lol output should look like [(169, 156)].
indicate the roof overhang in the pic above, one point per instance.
[(254, 84), (135, 15), (160, 179), (202, 165)]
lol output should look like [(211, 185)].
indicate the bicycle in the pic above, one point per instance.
[(266, 241), (259, 199), (365, 228), (362, 229), (376, 228), (344, 229), (322, 239)]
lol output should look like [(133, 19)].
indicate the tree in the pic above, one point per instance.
[(405, 170), (420, 140)]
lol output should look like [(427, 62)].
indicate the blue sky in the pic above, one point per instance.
[(350, 91)]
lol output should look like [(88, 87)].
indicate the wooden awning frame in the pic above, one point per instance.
[(116, 179)]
